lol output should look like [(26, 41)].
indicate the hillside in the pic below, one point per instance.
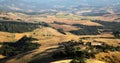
[(111, 17), (59, 31), (56, 37)]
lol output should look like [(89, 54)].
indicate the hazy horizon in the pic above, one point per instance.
[(49, 4)]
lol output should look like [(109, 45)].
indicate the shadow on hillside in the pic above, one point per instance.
[(46, 56), (19, 48)]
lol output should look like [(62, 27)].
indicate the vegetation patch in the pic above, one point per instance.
[(20, 27), (116, 34), (80, 51), (86, 31), (109, 26), (23, 45)]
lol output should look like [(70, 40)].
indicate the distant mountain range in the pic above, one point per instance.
[(52, 5)]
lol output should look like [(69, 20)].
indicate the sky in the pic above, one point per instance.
[(77, 2)]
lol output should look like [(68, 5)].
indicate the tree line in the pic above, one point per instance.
[(20, 27)]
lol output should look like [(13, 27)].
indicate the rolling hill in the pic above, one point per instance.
[(79, 30)]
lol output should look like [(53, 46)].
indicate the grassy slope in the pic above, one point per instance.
[(87, 61), (49, 42), (113, 57), (49, 38)]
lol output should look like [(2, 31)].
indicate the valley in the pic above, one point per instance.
[(80, 31)]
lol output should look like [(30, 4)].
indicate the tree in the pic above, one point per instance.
[(116, 34), (61, 31)]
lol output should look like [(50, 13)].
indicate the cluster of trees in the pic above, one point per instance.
[(19, 27), (43, 24), (93, 30), (95, 13), (61, 31), (109, 26), (71, 49), (86, 30), (60, 23), (116, 34), (23, 45)]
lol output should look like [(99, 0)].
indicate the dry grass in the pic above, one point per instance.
[(20, 35), (14, 16), (110, 57), (64, 27), (51, 19), (87, 61), (62, 61), (11, 37), (106, 38), (49, 38), (6, 37), (110, 18), (93, 61), (1, 56)]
